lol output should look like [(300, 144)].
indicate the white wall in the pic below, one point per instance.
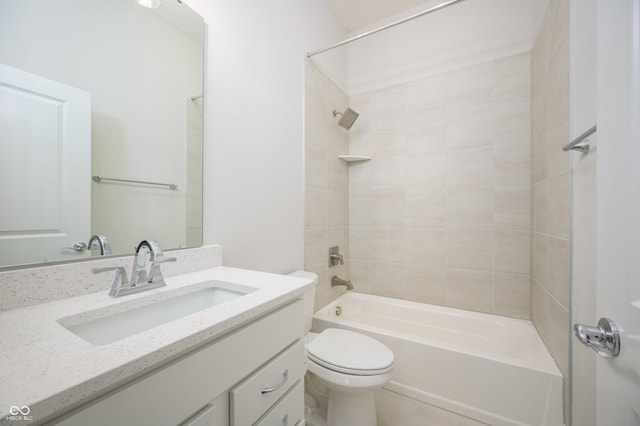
[(461, 35), (254, 131)]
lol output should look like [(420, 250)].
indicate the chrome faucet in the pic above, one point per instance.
[(335, 281), (103, 244), (139, 279), (139, 270)]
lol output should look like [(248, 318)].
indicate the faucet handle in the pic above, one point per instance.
[(119, 281), (156, 274)]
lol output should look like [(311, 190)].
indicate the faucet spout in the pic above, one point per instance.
[(336, 281), (103, 244)]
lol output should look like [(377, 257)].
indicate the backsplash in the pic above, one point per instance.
[(31, 286)]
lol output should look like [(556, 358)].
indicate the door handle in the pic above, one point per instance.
[(604, 339), (78, 247)]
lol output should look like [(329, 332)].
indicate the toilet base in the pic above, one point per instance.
[(351, 408)]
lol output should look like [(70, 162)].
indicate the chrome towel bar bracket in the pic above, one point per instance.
[(581, 143)]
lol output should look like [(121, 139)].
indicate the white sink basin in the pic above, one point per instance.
[(133, 318)]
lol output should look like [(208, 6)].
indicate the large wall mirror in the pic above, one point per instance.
[(100, 128)]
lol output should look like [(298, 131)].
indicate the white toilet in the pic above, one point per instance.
[(351, 365)]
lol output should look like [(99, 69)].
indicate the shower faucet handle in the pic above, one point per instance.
[(335, 257)]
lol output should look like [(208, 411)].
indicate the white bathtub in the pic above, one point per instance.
[(493, 369)]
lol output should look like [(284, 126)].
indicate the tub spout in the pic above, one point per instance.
[(335, 280)]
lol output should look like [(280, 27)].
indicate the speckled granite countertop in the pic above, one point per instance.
[(48, 369)]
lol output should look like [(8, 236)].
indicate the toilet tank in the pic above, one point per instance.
[(309, 297)]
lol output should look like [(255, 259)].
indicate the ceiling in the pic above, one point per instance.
[(354, 14)]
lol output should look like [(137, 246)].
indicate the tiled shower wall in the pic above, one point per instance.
[(550, 286), (441, 214), (325, 182)]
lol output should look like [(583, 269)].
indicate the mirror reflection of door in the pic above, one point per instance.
[(45, 144)]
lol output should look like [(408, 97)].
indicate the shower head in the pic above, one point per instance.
[(347, 118)]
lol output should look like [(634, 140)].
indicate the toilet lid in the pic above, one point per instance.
[(348, 352)]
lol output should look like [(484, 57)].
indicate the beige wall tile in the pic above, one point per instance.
[(512, 117), (426, 284), (316, 209), (388, 279), (315, 250), (451, 166), (470, 125), (470, 209), (359, 209), (387, 244), (512, 295), (388, 171), (470, 250), (359, 242), (424, 136), (425, 209), (359, 274), (326, 185), (470, 290), (541, 265), (512, 209), (550, 287), (425, 247), (339, 237), (511, 77), (337, 170), (553, 323), (337, 209), (470, 168), (472, 85), (539, 152), (511, 252), (558, 160), (512, 165), (324, 294), (426, 172), (315, 167), (360, 178), (559, 270), (387, 209), (560, 205), (541, 206), (426, 91)]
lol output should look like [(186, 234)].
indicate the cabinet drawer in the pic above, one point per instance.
[(251, 398), (204, 417), (289, 411)]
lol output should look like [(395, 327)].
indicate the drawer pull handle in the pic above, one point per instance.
[(285, 374)]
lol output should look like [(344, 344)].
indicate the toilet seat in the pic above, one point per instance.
[(348, 352)]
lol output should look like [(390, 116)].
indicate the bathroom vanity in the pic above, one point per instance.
[(226, 382), (238, 362)]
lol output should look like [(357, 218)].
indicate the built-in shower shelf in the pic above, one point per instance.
[(353, 158)]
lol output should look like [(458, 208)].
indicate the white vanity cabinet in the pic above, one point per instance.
[(253, 375)]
